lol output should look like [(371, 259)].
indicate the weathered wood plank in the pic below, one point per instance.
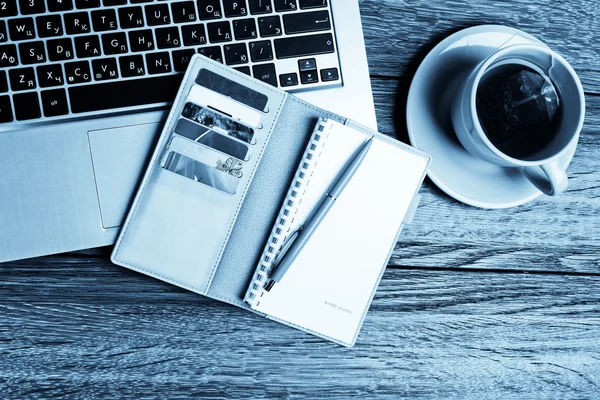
[(83, 328), (556, 234), (400, 33)]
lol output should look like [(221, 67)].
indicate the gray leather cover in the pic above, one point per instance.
[(177, 229), (165, 234)]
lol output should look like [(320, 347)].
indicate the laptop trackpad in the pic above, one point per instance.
[(119, 156)]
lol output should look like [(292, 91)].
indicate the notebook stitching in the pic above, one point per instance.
[(277, 236), (241, 203)]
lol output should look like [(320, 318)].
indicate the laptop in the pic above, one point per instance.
[(85, 86)]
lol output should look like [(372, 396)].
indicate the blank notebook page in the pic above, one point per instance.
[(329, 286)]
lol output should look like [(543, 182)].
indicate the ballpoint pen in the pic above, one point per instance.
[(298, 239)]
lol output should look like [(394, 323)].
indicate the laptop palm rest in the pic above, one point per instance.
[(119, 157)]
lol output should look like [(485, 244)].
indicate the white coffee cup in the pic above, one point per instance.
[(541, 168)]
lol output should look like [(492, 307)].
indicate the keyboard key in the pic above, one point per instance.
[(104, 20), (132, 66), (308, 77), (183, 11), (5, 109), (8, 8), (193, 34), (3, 82), (219, 32), (3, 32), (8, 55), (158, 14), (54, 102), (21, 29), (245, 29), (269, 26), (245, 69), (77, 22), (307, 22), (309, 64), (140, 1), (50, 75), (167, 37), (330, 74), (59, 5), (87, 46), (27, 106), (301, 46), (235, 8), (287, 80), (260, 7), (285, 5), (141, 40), (22, 79), (209, 9), (49, 25), (28, 7), (77, 72), (266, 73), (129, 93), (261, 51), (85, 4), (158, 63), (212, 52), (111, 3), (236, 54), (114, 43), (105, 68), (32, 53), (60, 49), (131, 17), (312, 3), (181, 59)]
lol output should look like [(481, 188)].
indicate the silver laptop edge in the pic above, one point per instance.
[(67, 186)]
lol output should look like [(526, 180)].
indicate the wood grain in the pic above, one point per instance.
[(553, 234), (400, 33), (83, 328)]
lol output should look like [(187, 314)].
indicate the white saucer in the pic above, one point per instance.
[(433, 88)]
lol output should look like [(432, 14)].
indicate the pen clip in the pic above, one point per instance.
[(284, 249)]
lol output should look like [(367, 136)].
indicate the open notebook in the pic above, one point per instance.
[(238, 167), (331, 283)]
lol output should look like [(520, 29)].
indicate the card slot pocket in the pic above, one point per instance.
[(232, 89), (225, 105), (180, 236), (224, 178), (218, 122), (213, 139), (206, 155)]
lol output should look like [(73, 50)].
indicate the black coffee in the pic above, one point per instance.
[(519, 109)]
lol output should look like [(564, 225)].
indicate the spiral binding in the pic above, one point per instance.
[(286, 216)]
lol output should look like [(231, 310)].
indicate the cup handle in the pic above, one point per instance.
[(549, 178)]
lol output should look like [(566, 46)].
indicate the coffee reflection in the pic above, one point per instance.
[(519, 109)]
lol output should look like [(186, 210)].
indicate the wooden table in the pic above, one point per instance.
[(475, 303)]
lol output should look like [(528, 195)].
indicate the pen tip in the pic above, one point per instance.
[(269, 285)]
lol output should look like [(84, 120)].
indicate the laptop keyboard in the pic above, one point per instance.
[(64, 57)]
